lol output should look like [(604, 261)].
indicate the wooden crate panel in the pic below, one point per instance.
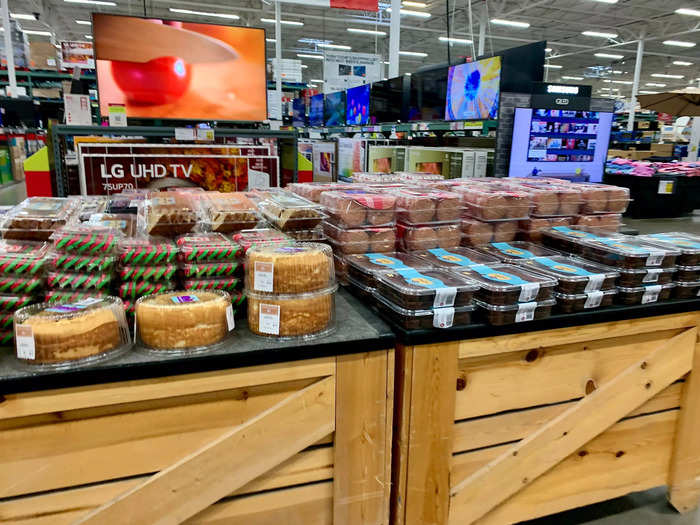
[(542, 376)]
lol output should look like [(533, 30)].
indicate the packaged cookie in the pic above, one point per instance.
[(505, 284), (499, 315), (360, 240), (25, 258), (531, 229), (227, 284), (248, 238), (494, 205), (36, 218), (71, 296), (686, 290), (574, 275), (416, 238), (6, 320), (512, 252), (454, 257), (7, 338), (71, 262), (627, 252), (135, 289), (426, 319), (427, 206), (11, 303), (79, 281), (146, 250), (85, 240), (602, 198), (357, 208), (634, 277), (570, 303), (14, 284), (206, 270), (314, 235), (687, 244), (288, 211), (651, 293), (363, 267), (207, 247), (688, 273), (228, 212), (169, 213), (421, 290), (163, 272)]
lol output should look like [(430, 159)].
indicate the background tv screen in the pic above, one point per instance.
[(357, 105), (298, 113), (521, 66), (388, 100), (428, 92), (334, 109), (180, 70), (555, 141), (316, 110), (473, 90)]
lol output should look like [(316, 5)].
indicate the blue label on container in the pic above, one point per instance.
[(512, 251), (416, 278), (678, 241), (498, 276), (452, 258), (620, 245), (382, 259), (570, 269), (178, 299), (574, 233)]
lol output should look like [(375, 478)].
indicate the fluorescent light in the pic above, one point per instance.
[(317, 80), (454, 40), (553, 66), (385, 62), (408, 12), (547, 49), (654, 84), (413, 54), (365, 31), (626, 82), (271, 40), (408, 74), (22, 16), (420, 5), (303, 55), (83, 22), (681, 63), (567, 77), (312, 85), (689, 12), (607, 1), (335, 46), (664, 75), (600, 34), (92, 2), (608, 55), (304, 66), (204, 13), (645, 92), (678, 43), (33, 32), (511, 23), (617, 72), (88, 37), (283, 22), (607, 81)]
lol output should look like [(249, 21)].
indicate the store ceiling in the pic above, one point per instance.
[(560, 22)]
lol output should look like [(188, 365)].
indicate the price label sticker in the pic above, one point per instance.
[(526, 312), (263, 276), (595, 282), (444, 297), (25, 342), (229, 318), (528, 292), (651, 294), (443, 317), (655, 259), (593, 299), (652, 275), (666, 187), (269, 320)]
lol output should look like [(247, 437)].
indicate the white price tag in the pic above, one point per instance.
[(526, 312), (528, 292), (263, 276), (205, 134), (443, 317), (269, 320), (594, 282), (651, 293), (593, 299), (445, 297), (655, 259), (24, 338), (652, 275), (229, 318)]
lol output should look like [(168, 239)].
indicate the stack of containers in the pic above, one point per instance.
[(228, 212), (427, 218), (290, 290), (363, 267), (312, 190), (602, 206), (36, 218), (296, 216), (687, 275)]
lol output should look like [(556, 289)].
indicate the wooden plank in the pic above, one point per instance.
[(430, 439), (236, 458), (574, 334), (402, 418), (389, 443), (494, 430), (684, 476), (26, 404), (487, 488), (362, 433), (551, 375), (632, 455)]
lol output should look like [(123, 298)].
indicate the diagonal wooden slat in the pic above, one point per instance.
[(491, 485), (226, 464)]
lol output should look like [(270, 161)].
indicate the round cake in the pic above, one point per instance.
[(182, 320)]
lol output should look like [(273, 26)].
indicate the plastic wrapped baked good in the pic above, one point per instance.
[(627, 252), (651, 293), (427, 206), (25, 258), (499, 315), (205, 270), (475, 232), (356, 208), (207, 247), (505, 284), (312, 190), (119, 223), (292, 316), (10, 303), (570, 303), (314, 235), (90, 205), (228, 212), (82, 263), (290, 268), (553, 200), (169, 213), (248, 238), (14, 284), (634, 277), (71, 296), (7, 320), (163, 272), (687, 290), (688, 273), (79, 281), (288, 211), (227, 284), (420, 290), (360, 240), (414, 238), (85, 239), (135, 289), (36, 218), (79, 332), (494, 205), (341, 269), (688, 245), (512, 252), (363, 267), (574, 275), (603, 198), (184, 321), (363, 292), (603, 222), (453, 258), (425, 319), (146, 251), (531, 229)]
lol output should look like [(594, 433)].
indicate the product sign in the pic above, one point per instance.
[(77, 110), (342, 71), (77, 55)]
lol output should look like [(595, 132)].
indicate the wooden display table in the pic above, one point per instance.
[(495, 429), (255, 433)]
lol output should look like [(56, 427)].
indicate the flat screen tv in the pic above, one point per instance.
[(521, 66), (427, 94), (473, 90), (389, 100), (298, 113), (559, 141), (180, 70), (357, 105), (334, 109), (316, 110)]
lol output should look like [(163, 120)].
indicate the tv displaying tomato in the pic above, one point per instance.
[(180, 70)]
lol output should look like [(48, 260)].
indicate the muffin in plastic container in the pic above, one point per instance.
[(499, 315), (687, 244), (553, 201), (603, 222), (574, 275), (634, 277), (494, 205), (169, 213), (427, 206), (512, 252), (652, 293), (531, 229), (363, 267), (603, 198), (163, 272), (360, 240), (146, 251), (228, 212), (362, 207), (506, 284), (570, 303), (25, 258), (66, 335), (184, 322), (36, 218), (288, 211), (416, 238), (476, 232), (312, 190)]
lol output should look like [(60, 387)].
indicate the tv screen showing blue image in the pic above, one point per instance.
[(298, 113), (357, 112), (334, 109), (316, 110), (473, 90)]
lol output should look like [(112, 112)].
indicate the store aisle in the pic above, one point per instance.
[(690, 224)]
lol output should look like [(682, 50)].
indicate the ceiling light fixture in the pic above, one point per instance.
[(547, 49), (385, 62), (600, 34), (22, 16), (664, 75), (335, 46), (317, 80), (271, 40), (92, 2), (654, 84), (33, 32), (304, 66), (204, 13), (678, 43), (567, 77), (682, 63), (365, 31), (303, 55), (511, 23), (413, 54), (283, 22), (88, 37), (409, 12), (553, 66), (453, 40), (616, 72), (689, 12), (645, 92), (606, 1), (608, 55), (420, 5), (83, 22)]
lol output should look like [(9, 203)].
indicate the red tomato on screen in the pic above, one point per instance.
[(158, 81)]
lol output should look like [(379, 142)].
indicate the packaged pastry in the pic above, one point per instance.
[(602, 198), (426, 319), (10, 303), (207, 247), (36, 218), (120, 223), (248, 238), (494, 205), (90, 205), (85, 240), (289, 268), (146, 251), (420, 290), (627, 252), (312, 190), (427, 206), (357, 208), (688, 273), (135, 289), (651, 293), (22, 257), (14, 284), (169, 213), (476, 233), (363, 267), (604, 222), (163, 272), (288, 211), (72, 262), (686, 290), (415, 238), (360, 240), (566, 238), (531, 229), (574, 275), (6, 320), (127, 202), (184, 321), (687, 244), (512, 252), (570, 303), (292, 316), (205, 270), (341, 269), (67, 334), (552, 200), (499, 315), (71, 296), (634, 277), (228, 212), (315, 235), (505, 284), (227, 284), (364, 292), (79, 281), (7, 338), (453, 258)]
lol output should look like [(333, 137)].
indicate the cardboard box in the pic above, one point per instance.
[(663, 150), (43, 55), (386, 159), (46, 92)]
